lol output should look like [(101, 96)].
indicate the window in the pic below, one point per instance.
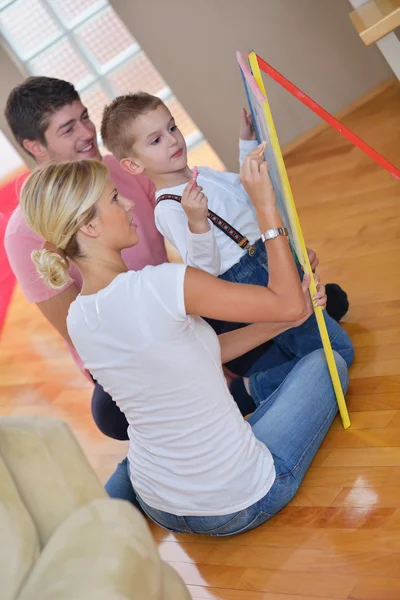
[(85, 42)]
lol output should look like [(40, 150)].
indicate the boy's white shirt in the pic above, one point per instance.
[(213, 251)]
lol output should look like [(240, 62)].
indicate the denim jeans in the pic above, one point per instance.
[(293, 344), (291, 422), (119, 485)]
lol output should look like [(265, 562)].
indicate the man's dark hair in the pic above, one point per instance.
[(31, 104)]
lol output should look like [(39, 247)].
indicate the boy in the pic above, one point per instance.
[(142, 124), (141, 133)]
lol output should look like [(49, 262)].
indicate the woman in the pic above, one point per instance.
[(195, 464)]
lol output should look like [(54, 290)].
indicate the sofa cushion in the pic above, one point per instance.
[(19, 547), (103, 551), (50, 470)]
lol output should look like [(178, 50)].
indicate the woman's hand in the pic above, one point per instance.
[(256, 181)]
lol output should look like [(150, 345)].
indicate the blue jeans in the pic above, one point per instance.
[(119, 485), (293, 344), (292, 422)]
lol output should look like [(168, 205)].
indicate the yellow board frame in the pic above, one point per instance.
[(298, 240)]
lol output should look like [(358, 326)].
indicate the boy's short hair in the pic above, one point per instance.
[(30, 105), (118, 117)]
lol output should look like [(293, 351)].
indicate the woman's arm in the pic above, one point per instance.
[(236, 343), (218, 299), (283, 300)]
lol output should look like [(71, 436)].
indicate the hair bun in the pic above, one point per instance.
[(52, 267)]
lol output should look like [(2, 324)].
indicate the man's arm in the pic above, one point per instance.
[(52, 304), (55, 310)]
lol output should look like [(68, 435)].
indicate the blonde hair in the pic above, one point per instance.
[(116, 130), (56, 200)]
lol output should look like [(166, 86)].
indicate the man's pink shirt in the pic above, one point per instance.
[(20, 240)]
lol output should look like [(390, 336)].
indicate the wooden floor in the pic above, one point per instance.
[(340, 536)]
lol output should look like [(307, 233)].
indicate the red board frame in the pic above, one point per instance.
[(331, 120)]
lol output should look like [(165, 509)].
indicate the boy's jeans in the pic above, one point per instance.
[(290, 345)]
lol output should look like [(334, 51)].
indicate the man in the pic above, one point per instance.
[(50, 122)]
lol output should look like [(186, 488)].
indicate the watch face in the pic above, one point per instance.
[(271, 234)]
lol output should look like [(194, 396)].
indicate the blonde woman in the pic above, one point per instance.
[(195, 464)]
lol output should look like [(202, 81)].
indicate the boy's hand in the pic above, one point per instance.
[(246, 126), (256, 181), (312, 257), (195, 205), (319, 299)]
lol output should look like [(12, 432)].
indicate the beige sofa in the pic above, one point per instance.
[(61, 537)]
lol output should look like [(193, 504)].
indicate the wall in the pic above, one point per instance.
[(10, 160), (312, 42), (10, 76)]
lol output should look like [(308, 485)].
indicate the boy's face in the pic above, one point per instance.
[(70, 135), (159, 146)]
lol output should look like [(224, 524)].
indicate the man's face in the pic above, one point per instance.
[(70, 135)]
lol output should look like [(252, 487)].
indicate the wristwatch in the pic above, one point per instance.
[(270, 234)]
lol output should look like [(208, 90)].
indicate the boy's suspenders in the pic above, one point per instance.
[(224, 226)]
